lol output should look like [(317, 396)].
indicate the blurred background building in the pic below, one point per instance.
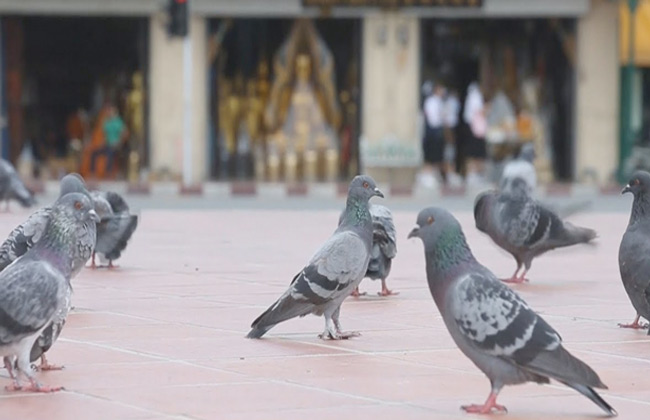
[(308, 90)]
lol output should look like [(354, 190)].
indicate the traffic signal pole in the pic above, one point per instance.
[(187, 110)]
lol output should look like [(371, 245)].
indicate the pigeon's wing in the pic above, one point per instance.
[(117, 202), (330, 274), (342, 260), (497, 321), (24, 236), (634, 266), (383, 228), (29, 293), (101, 204), (520, 220)]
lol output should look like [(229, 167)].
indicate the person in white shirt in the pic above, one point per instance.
[(433, 141), (450, 115), (474, 116)]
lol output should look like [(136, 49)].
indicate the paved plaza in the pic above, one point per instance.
[(162, 336)]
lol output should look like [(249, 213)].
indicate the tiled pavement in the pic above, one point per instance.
[(162, 337)]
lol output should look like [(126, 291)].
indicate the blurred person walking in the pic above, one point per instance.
[(451, 113), (474, 135), (433, 140)]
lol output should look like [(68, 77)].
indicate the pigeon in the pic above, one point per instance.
[(384, 248), (490, 323), (521, 168), (35, 290), (26, 235), (524, 227), (633, 261), (12, 187), (116, 226), (334, 271)]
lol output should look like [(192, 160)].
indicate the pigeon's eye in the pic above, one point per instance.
[(365, 184), (78, 205), (430, 220)]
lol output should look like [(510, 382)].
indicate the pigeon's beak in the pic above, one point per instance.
[(626, 189), (415, 233), (92, 214), (378, 193)]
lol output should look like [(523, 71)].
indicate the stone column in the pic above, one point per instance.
[(597, 99), (166, 99), (390, 147)]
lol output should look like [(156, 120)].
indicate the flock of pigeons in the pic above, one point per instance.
[(39, 259), (490, 323)]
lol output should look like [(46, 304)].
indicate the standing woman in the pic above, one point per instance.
[(474, 135), (433, 141)]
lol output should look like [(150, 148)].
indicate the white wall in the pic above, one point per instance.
[(597, 104), (166, 99)]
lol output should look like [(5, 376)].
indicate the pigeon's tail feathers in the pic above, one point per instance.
[(593, 396), (573, 208), (283, 309), (579, 235), (560, 365)]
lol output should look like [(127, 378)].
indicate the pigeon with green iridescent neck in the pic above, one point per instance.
[(490, 323), (25, 235), (35, 289), (334, 271)]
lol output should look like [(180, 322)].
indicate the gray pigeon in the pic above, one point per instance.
[(12, 187), (521, 168), (116, 226), (524, 227), (634, 252), (384, 248), (490, 323), (35, 289), (334, 271), (26, 235)]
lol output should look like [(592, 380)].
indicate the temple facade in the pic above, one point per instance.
[(302, 90)]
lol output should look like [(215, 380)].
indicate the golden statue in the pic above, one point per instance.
[(303, 115), (135, 123)]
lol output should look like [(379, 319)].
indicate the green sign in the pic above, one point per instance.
[(392, 3)]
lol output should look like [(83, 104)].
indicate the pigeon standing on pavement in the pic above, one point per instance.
[(521, 168), (29, 233), (35, 290), (524, 227), (116, 226), (490, 323), (334, 271), (634, 251), (12, 187), (384, 248)]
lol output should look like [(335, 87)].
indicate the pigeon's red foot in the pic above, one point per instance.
[(45, 365), (387, 292), (36, 387), (111, 266), (487, 408), (635, 325), (355, 293), (484, 409), (515, 280), (339, 335), (14, 387)]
